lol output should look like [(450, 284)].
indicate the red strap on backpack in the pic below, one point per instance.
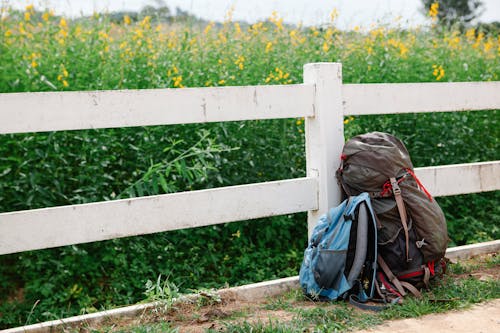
[(420, 185)]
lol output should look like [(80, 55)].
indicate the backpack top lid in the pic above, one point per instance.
[(371, 159)]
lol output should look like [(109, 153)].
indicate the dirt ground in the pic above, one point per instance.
[(213, 312), (482, 318)]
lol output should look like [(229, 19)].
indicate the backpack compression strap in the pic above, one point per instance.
[(400, 285), (402, 213)]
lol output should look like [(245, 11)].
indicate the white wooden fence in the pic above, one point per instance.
[(322, 99)]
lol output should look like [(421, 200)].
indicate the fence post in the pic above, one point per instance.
[(324, 133)]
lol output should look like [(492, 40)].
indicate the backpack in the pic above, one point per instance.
[(341, 257), (411, 227)]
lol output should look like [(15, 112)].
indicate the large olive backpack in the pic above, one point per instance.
[(412, 233)]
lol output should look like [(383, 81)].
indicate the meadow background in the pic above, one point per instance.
[(43, 52)]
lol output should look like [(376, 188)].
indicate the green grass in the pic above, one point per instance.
[(458, 290)]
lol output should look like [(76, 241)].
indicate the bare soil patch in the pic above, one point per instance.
[(216, 313)]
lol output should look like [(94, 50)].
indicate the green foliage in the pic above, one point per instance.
[(151, 328), (451, 293), (164, 292), (40, 52), (260, 327)]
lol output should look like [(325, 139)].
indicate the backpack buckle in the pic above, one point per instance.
[(395, 187), (420, 243)]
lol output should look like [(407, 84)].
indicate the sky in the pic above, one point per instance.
[(308, 12)]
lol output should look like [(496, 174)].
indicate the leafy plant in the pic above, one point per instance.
[(164, 291)]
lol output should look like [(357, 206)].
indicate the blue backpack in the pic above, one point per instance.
[(341, 258)]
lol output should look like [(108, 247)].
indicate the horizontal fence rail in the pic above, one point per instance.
[(67, 225), (84, 223), (391, 98), (458, 179), (323, 100), (56, 111)]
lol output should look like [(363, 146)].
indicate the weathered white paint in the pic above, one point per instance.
[(472, 250), (460, 178), (324, 134), (51, 227), (55, 111), (385, 98), (322, 99)]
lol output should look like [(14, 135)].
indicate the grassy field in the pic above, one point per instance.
[(43, 52)]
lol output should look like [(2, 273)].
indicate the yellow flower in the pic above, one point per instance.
[(127, 20), (27, 16), (221, 82), (256, 28), (269, 46), (369, 50), (438, 72), (62, 23), (479, 39), (78, 31), (329, 33), (46, 16), (334, 14), (325, 47), (237, 27), (488, 45), (222, 38), (434, 11), (63, 33), (8, 33), (178, 81), (208, 28), (146, 22), (403, 50), (65, 84), (228, 17), (102, 35), (278, 21), (470, 34), (240, 62), (379, 32)]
